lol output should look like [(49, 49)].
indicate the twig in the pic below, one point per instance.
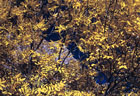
[(65, 59), (60, 53), (39, 43)]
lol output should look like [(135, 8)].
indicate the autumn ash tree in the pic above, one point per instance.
[(69, 47)]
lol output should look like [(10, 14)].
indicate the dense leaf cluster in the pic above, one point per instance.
[(69, 47)]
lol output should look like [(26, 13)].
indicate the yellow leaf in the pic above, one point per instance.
[(7, 93), (21, 27), (123, 66), (61, 27), (2, 84), (78, 4), (17, 76), (123, 4), (40, 25)]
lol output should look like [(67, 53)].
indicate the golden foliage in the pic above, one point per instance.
[(108, 29)]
